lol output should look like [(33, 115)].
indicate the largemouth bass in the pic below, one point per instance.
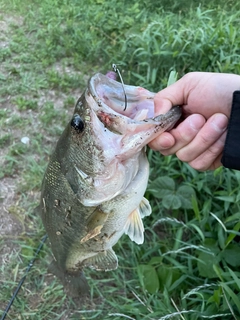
[(93, 188)]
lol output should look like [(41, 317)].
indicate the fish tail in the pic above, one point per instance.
[(74, 283)]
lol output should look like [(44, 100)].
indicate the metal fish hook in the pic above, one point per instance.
[(115, 69)]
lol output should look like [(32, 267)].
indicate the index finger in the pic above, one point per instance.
[(168, 97)]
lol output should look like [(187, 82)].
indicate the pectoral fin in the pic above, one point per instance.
[(145, 208), (134, 227), (106, 260), (92, 233), (94, 224)]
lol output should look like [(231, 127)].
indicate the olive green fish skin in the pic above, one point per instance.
[(93, 188), (64, 217)]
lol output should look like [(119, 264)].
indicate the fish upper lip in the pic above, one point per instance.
[(109, 106), (98, 86), (110, 97)]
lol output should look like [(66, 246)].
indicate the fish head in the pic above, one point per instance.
[(108, 131)]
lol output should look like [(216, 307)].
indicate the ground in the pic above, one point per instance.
[(25, 138)]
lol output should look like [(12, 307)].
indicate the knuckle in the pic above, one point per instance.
[(200, 165), (166, 152), (216, 148), (183, 156), (206, 139)]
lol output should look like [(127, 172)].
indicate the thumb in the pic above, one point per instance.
[(168, 97)]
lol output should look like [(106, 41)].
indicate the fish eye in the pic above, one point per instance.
[(77, 123)]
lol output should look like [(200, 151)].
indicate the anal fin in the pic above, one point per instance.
[(145, 208), (106, 260), (134, 227)]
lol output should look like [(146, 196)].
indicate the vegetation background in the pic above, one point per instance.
[(188, 267)]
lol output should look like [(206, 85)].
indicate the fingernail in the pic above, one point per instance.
[(219, 122), (165, 141), (196, 121)]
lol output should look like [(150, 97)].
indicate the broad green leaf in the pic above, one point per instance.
[(171, 202), (212, 244), (162, 186), (185, 194), (166, 183), (149, 277), (156, 260), (232, 255), (165, 276), (205, 265)]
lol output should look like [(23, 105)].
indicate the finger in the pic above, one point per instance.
[(173, 95), (162, 142), (217, 162), (211, 158), (182, 135), (162, 104), (206, 137)]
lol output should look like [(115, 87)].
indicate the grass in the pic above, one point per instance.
[(188, 267)]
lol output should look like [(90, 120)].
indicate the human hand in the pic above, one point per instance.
[(206, 100)]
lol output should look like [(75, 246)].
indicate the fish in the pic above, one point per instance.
[(93, 188)]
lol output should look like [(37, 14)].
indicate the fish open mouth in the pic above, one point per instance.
[(110, 98), (117, 117)]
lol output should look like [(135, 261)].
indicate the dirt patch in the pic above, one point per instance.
[(6, 21), (10, 227), (20, 227), (14, 221), (9, 224)]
